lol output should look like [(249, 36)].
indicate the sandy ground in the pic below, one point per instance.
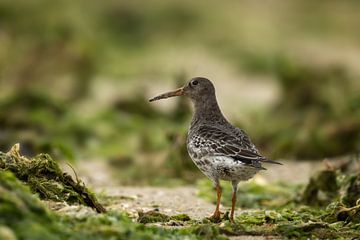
[(171, 201), (175, 200)]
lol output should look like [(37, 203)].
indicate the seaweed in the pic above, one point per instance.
[(22, 215), (208, 231), (154, 216), (44, 177), (340, 218), (180, 217), (302, 223), (114, 225), (352, 193), (321, 189), (331, 210), (333, 185)]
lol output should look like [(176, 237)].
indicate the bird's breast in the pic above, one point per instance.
[(198, 148)]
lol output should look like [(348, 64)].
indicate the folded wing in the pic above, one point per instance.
[(233, 143)]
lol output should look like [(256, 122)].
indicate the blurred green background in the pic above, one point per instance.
[(75, 77)]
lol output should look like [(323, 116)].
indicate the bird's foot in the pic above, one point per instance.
[(216, 217), (220, 216), (228, 217)]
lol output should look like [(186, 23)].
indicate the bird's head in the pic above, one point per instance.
[(197, 89)]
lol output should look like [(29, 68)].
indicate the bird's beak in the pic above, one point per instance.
[(177, 92)]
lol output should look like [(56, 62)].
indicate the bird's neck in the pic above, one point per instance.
[(207, 111)]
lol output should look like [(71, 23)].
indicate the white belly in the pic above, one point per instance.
[(225, 168)]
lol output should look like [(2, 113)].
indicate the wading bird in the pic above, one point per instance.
[(220, 150)]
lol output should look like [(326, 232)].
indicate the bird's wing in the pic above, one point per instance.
[(245, 139), (235, 144)]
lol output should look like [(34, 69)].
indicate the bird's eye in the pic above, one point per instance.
[(195, 82)]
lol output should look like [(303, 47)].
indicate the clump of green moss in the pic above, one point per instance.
[(154, 216), (332, 210), (321, 189), (181, 217), (208, 231), (338, 191), (115, 225), (297, 223), (21, 214), (352, 192), (44, 177), (347, 208)]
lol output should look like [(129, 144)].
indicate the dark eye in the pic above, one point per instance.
[(195, 82)]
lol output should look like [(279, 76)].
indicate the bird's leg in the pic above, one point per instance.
[(233, 200), (217, 213)]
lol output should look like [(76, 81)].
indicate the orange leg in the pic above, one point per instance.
[(233, 200), (216, 214)]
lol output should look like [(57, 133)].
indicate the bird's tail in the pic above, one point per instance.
[(265, 160)]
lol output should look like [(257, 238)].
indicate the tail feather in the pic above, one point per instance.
[(265, 160)]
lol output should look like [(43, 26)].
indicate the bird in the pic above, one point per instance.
[(219, 149)]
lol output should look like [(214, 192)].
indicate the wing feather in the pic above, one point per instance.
[(234, 143)]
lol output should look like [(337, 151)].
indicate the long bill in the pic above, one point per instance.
[(177, 92)]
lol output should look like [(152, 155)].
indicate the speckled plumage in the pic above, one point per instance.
[(222, 155), (220, 150)]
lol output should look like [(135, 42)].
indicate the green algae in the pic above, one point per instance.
[(208, 231), (154, 216), (321, 189), (23, 216), (337, 191), (181, 217), (300, 223), (352, 192), (328, 207), (44, 177), (293, 221), (114, 225)]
